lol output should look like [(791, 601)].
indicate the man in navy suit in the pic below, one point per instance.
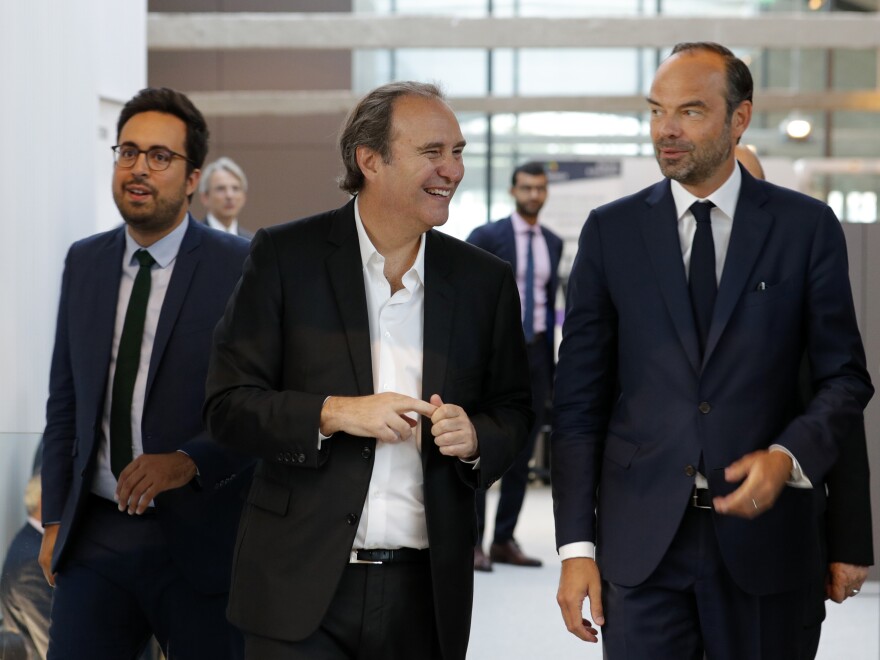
[(683, 455), (139, 505), (533, 251)]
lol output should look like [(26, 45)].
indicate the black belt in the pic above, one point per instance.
[(395, 556), (701, 499)]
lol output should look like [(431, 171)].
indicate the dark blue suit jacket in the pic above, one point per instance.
[(199, 520), (498, 238), (635, 406)]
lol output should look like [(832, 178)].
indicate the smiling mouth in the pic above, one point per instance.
[(439, 192)]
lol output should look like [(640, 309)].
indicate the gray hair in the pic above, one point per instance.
[(369, 125), (222, 163)]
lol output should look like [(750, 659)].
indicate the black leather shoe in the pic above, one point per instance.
[(481, 561), (509, 552)]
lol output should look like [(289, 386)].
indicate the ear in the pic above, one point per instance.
[(740, 120), (368, 161), (192, 182)]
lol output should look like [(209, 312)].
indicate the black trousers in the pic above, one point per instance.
[(120, 585), (379, 612), (515, 480)]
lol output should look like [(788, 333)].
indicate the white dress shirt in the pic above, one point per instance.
[(164, 251), (394, 511), (214, 223)]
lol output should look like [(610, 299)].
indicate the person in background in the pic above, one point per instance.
[(534, 252), (844, 547), (223, 192), (25, 596)]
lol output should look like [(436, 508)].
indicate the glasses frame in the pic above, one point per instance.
[(115, 148)]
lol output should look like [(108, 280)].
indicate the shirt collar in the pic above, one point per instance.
[(212, 221), (370, 253), (725, 197), (163, 251), (520, 226)]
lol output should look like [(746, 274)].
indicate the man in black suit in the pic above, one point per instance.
[(223, 192), (534, 252), (377, 369), (843, 548), (25, 597), (139, 505), (681, 447)]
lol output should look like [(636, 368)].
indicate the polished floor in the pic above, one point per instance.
[(516, 617)]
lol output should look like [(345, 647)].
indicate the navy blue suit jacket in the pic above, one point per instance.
[(199, 519), (636, 406), (498, 238)]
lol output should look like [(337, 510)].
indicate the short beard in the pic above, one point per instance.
[(167, 211), (700, 166)]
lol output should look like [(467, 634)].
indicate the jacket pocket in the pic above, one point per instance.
[(269, 496)]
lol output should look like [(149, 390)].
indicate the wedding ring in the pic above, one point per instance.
[(854, 592), (755, 504)]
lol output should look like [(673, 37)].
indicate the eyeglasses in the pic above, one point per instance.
[(158, 158)]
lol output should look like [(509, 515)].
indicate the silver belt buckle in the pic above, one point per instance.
[(353, 559)]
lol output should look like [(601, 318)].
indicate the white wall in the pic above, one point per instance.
[(60, 62)]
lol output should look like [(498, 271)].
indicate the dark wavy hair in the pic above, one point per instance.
[(739, 78)]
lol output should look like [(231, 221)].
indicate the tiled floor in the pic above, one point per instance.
[(516, 616)]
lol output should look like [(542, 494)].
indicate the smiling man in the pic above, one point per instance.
[(682, 455), (376, 368), (139, 506)]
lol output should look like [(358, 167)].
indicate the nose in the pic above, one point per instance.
[(452, 168), (140, 164), (667, 126)]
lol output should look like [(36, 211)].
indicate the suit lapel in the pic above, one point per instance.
[(345, 270), (751, 225), (660, 231), (99, 314), (185, 264), (439, 308)]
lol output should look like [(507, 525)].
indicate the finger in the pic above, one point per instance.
[(738, 470), (436, 400), (572, 616), (596, 610), (411, 404)]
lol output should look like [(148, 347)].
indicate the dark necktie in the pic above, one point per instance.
[(127, 360), (529, 311), (701, 278)]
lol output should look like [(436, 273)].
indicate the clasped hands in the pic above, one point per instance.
[(389, 417)]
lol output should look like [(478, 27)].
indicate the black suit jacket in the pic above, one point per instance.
[(296, 331), (198, 520), (498, 238), (244, 233), (636, 407)]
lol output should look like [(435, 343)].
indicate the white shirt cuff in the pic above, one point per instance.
[(797, 479), (580, 549)]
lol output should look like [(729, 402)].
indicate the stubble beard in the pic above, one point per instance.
[(164, 214), (702, 162)]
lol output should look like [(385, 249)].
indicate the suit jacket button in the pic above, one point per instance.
[(351, 518), (690, 470), (705, 407), (366, 452)]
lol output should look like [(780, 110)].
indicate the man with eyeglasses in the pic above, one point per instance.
[(139, 505)]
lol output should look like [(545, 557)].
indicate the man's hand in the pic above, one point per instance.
[(580, 579), (381, 416), (844, 580), (151, 474), (50, 533), (763, 474), (452, 430)]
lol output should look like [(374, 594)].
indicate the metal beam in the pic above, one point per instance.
[(302, 103), (344, 31)]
